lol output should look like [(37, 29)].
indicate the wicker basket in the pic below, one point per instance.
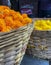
[(11, 45), (40, 44)]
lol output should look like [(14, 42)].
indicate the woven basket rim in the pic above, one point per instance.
[(43, 30)]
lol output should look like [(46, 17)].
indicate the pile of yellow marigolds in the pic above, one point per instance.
[(10, 19), (42, 24)]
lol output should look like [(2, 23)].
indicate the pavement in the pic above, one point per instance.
[(28, 60)]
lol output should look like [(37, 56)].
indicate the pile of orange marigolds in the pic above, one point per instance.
[(10, 19)]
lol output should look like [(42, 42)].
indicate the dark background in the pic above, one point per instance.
[(41, 8)]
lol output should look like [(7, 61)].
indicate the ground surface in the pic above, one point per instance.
[(28, 60)]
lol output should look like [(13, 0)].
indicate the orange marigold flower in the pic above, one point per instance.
[(10, 19), (24, 15), (17, 24)]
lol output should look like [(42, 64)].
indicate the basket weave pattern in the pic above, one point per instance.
[(12, 45), (40, 44)]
